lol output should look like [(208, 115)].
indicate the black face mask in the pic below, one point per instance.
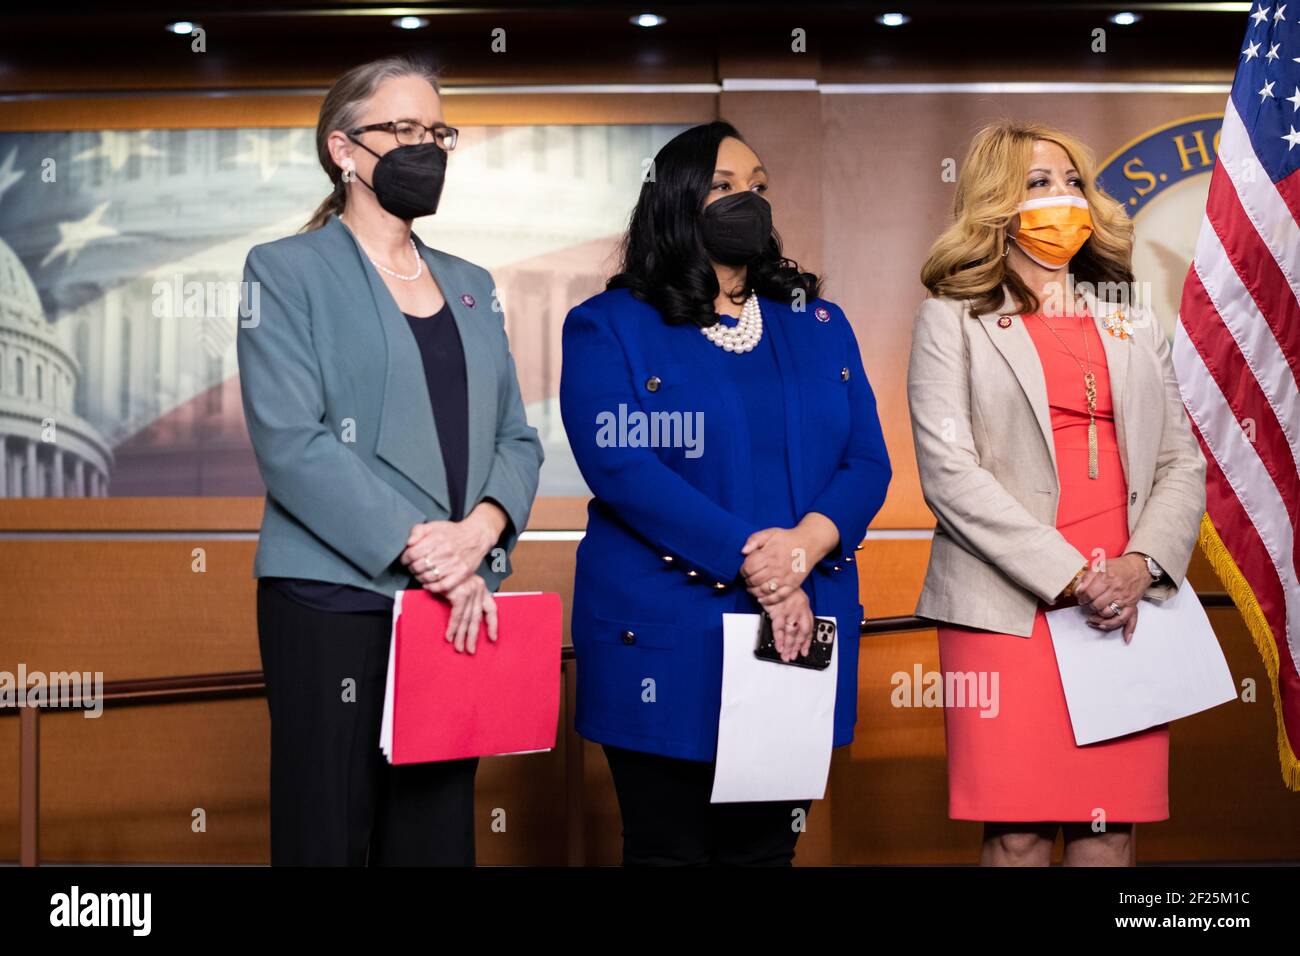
[(736, 228), (408, 179)]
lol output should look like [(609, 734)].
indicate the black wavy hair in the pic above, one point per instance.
[(664, 261)]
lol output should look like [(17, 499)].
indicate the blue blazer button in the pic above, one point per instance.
[(628, 637)]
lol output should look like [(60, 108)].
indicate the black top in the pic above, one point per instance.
[(444, 373)]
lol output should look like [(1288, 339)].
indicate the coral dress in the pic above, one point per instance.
[(1023, 765)]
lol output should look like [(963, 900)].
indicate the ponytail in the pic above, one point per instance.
[(331, 205)]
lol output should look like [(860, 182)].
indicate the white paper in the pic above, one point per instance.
[(1173, 668), (777, 722)]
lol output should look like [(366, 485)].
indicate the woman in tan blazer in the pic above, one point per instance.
[(1055, 453)]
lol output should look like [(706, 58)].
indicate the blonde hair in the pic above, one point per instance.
[(968, 261), (340, 110)]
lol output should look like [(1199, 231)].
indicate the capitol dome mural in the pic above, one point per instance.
[(46, 449)]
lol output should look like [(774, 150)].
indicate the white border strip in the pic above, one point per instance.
[(777, 84), (1030, 86), (737, 84), (772, 85), (615, 88)]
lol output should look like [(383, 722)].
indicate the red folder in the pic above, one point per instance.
[(504, 698)]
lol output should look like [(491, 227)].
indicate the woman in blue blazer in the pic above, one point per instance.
[(752, 489), (384, 411)]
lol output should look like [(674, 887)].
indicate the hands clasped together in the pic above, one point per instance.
[(776, 562), (444, 556), (1110, 594)]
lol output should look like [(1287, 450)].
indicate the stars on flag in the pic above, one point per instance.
[(73, 236), (117, 147), (1252, 51), (268, 154), (8, 175)]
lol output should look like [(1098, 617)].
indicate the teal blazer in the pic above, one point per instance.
[(338, 411)]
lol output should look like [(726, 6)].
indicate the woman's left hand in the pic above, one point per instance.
[(792, 625), (778, 559)]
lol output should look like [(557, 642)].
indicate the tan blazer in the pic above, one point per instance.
[(987, 461)]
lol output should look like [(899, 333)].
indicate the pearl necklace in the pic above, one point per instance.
[(419, 266), (744, 335)]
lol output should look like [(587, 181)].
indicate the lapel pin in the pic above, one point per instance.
[(823, 314), (468, 300), (1004, 322)]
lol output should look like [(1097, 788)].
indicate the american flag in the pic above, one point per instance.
[(1237, 355)]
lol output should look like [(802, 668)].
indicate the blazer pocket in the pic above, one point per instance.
[(826, 387), (626, 671)]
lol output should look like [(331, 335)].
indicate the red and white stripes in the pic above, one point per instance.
[(1236, 352)]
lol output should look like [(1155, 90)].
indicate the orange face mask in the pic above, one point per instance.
[(1053, 229)]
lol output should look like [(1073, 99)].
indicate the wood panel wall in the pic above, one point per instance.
[(110, 585)]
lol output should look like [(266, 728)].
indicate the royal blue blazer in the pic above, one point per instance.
[(660, 562)]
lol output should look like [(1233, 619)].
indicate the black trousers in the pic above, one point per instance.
[(335, 800), (669, 821)]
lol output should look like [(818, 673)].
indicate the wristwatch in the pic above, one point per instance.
[(1156, 571)]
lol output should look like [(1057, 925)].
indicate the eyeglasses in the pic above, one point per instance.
[(411, 133)]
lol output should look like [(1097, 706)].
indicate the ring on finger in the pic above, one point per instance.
[(772, 586), (1115, 609)]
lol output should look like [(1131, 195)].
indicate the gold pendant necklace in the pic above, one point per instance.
[(1089, 392)]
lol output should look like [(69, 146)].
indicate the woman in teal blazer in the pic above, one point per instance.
[(384, 411), (773, 468)]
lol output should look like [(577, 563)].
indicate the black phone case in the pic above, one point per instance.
[(819, 652)]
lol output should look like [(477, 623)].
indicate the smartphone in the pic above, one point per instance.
[(819, 652)]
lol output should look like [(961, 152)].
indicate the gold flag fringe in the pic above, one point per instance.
[(1234, 582)]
